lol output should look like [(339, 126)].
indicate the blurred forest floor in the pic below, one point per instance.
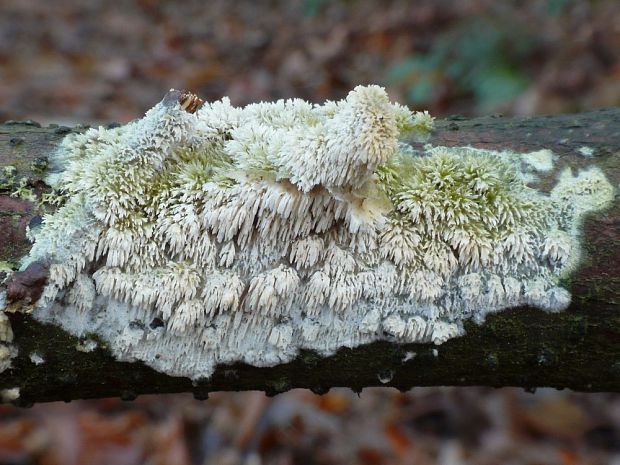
[(427, 426), (100, 61), (70, 61)]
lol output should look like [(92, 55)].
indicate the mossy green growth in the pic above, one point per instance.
[(7, 266), (17, 186), (23, 191), (7, 177)]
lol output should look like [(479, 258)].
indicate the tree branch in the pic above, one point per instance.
[(577, 349)]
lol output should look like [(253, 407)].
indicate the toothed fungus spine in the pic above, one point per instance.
[(250, 233)]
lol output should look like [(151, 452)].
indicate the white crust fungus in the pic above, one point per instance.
[(9, 395), (541, 160), (36, 358), (245, 234)]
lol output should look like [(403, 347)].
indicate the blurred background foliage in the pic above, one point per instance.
[(490, 61), (482, 61), (86, 61), (96, 61)]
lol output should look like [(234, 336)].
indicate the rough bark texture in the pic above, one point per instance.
[(577, 349)]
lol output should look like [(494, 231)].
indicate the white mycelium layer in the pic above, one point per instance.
[(245, 234)]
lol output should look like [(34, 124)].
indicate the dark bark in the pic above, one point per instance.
[(577, 349)]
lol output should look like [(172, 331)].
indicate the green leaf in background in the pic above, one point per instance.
[(498, 85), (312, 8), (421, 92), (480, 57), (557, 7)]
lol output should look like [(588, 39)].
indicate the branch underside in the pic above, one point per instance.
[(577, 349)]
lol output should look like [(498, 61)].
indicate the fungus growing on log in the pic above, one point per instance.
[(205, 234)]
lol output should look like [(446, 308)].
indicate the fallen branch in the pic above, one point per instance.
[(578, 348)]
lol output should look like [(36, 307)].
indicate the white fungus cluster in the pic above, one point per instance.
[(245, 234)]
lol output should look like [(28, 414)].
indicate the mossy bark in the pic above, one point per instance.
[(577, 349)]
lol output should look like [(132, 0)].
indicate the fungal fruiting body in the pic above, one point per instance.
[(221, 234)]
